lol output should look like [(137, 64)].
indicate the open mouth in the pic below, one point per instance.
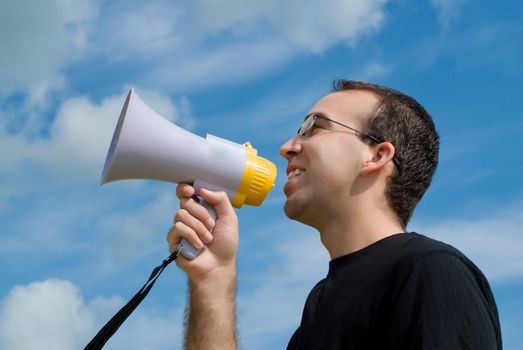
[(294, 173)]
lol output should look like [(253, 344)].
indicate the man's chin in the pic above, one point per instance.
[(298, 210), (292, 210)]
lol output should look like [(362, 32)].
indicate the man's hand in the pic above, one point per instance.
[(194, 223), (212, 274)]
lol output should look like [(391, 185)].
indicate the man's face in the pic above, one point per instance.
[(323, 167)]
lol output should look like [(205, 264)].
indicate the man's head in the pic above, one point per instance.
[(404, 122), (390, 132)]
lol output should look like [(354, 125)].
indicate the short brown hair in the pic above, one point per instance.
[(402, 121)]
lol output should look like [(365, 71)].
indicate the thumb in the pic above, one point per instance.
[(219, 201)]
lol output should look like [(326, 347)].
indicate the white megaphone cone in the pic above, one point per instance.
[(147, 146)]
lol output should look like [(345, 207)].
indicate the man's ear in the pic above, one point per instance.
[(380, 155)]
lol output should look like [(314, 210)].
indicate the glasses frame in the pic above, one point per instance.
[(310, 120)]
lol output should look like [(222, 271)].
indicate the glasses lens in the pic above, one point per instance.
[(307, 124)]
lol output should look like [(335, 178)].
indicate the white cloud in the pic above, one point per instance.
[(204, 43), (448, 10), (311, 25), (38, 40), (53, 314), (373, 71), (182, 46), (231, 63), (50, 315), (150, 331), (232, 41), (140, 32)]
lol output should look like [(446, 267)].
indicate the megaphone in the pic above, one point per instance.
[(147, 146)]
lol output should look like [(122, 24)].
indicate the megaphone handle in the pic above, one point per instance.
[(185, 248)]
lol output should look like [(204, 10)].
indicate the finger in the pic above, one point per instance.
[(184, 190), (198, 211), (196, 225), (219, 201), (179, 230)]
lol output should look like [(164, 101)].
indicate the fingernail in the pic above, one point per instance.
[(208, 236)]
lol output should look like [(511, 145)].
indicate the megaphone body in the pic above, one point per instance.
[(147, 146)]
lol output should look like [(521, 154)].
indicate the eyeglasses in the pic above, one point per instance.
[(310, 120)]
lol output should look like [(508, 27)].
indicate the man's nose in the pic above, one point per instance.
[(291, 148)]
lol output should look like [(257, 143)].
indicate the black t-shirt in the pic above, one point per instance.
[(403, 292)]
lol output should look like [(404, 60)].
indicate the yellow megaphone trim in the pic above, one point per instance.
[(257, 181)]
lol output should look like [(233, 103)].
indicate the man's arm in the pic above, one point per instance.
[(211, 317)]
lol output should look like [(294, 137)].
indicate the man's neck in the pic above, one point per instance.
[(356, 230)]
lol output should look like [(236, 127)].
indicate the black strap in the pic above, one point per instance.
[(112, 326)]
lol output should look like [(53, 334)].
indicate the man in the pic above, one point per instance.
[(363, 158)]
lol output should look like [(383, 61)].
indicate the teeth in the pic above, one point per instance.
[(293, 173)]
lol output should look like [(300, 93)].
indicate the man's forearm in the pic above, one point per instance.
[(211, 314)]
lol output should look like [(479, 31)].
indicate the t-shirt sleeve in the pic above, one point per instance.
[(293, 342), (444, 304)]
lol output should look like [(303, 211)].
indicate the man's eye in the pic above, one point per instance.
[(314, 129)]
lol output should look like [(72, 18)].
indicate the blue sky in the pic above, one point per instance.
[(72, 252)]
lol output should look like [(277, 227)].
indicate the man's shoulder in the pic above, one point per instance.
[(428, 262), (439, 287), (430, 256), (417, 246), (416, 249)]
